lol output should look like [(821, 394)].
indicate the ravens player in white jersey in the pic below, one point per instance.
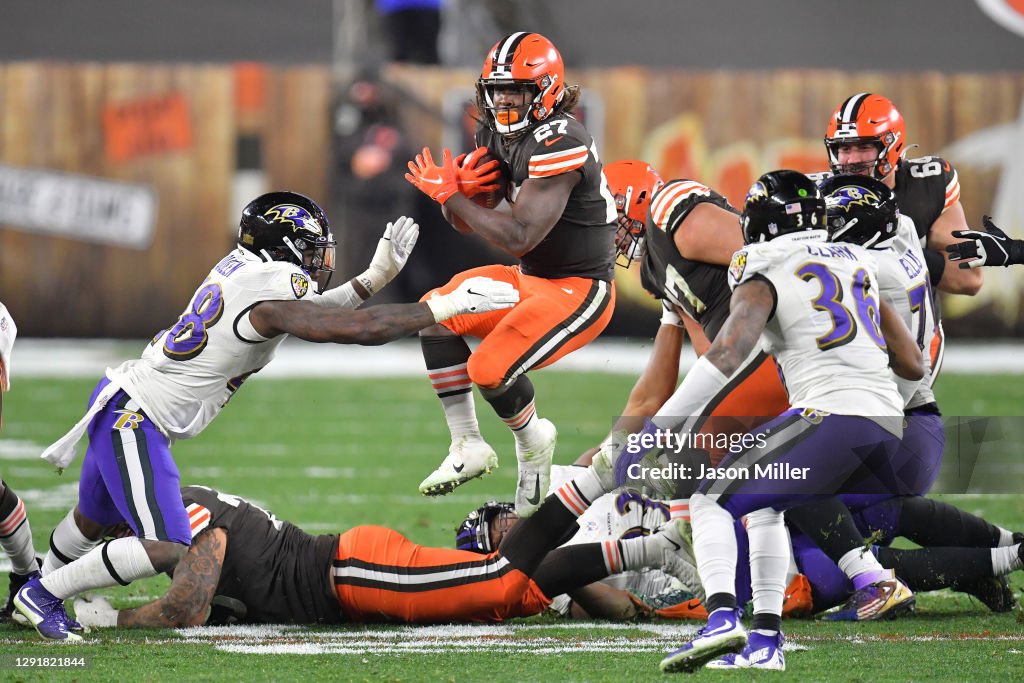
[(270, 287), (818, 307), (561, 226)]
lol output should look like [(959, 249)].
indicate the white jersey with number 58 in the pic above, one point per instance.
[(189, 371), (824, 332)]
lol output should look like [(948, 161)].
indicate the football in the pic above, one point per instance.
[(491, 199)]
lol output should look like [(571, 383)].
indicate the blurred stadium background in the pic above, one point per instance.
[(133, 131)]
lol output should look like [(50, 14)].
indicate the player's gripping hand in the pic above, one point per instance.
[(991, 247), (475, 178), (475, 295), (95, 612), (393, 251), (439, 182)]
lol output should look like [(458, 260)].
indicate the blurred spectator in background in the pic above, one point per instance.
[(371, 149), (412, 27)]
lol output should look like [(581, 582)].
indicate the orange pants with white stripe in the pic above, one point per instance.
[(553, 318), (380, 575), (753, 397)]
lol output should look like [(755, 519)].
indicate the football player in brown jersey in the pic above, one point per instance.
[(685, 234), (267, 570), (866, 135), (561, 226)]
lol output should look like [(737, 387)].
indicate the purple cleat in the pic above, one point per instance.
[(46, 612), (722, 634)]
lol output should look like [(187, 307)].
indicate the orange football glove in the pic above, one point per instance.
[(437, 182), (473, 179)]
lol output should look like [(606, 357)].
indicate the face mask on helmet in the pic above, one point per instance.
[(632, 184), (290, 227), (866, 136), (474, 534), (861, 210), (521, 83)]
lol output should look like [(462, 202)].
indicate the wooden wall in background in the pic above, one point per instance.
[(51, 118), (722, 127)]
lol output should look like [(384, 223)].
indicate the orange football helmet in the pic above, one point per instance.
[(866, 118), (632, 183), (528, 62)]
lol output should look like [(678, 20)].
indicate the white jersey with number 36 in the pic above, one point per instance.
[(189, 371), (824, 333)]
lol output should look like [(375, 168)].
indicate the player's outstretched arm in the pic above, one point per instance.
[(905, 357), (988, 247), (393, 250), (954, 280), (188, 600), (378, 324)]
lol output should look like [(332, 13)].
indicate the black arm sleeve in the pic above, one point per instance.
[(936, 263)]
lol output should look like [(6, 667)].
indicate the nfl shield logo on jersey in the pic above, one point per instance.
[(300, 285)]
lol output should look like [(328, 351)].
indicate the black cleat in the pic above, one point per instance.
[(13, 586)]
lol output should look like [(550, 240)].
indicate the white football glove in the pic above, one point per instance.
[(475, 295), (95, 612), (393, 251)]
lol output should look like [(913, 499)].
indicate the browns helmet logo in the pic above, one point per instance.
[(296, 216), (300, 285)]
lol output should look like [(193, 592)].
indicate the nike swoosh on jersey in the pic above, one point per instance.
[(548, 143), (535, 498), (567, 291)]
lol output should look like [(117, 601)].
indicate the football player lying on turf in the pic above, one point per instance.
[(961, 551), (244, 556), (271, 286)]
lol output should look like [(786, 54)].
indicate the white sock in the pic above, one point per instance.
[(1005, 537), (769, 559), (67, 544), (459, 408), (581, 491), (120, 561), (714, 544), (460, 413), (861, 561), (524, 426), (1006, 560), (679, 508), (16, 535)]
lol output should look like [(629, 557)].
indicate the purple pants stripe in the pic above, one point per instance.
[(129, 475)]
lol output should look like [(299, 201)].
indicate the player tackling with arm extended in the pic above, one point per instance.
[(268, 288), (561, 227)]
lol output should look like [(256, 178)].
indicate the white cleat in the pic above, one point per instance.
[(676, 556), (467, 459), (535, 470), (603, 462)]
